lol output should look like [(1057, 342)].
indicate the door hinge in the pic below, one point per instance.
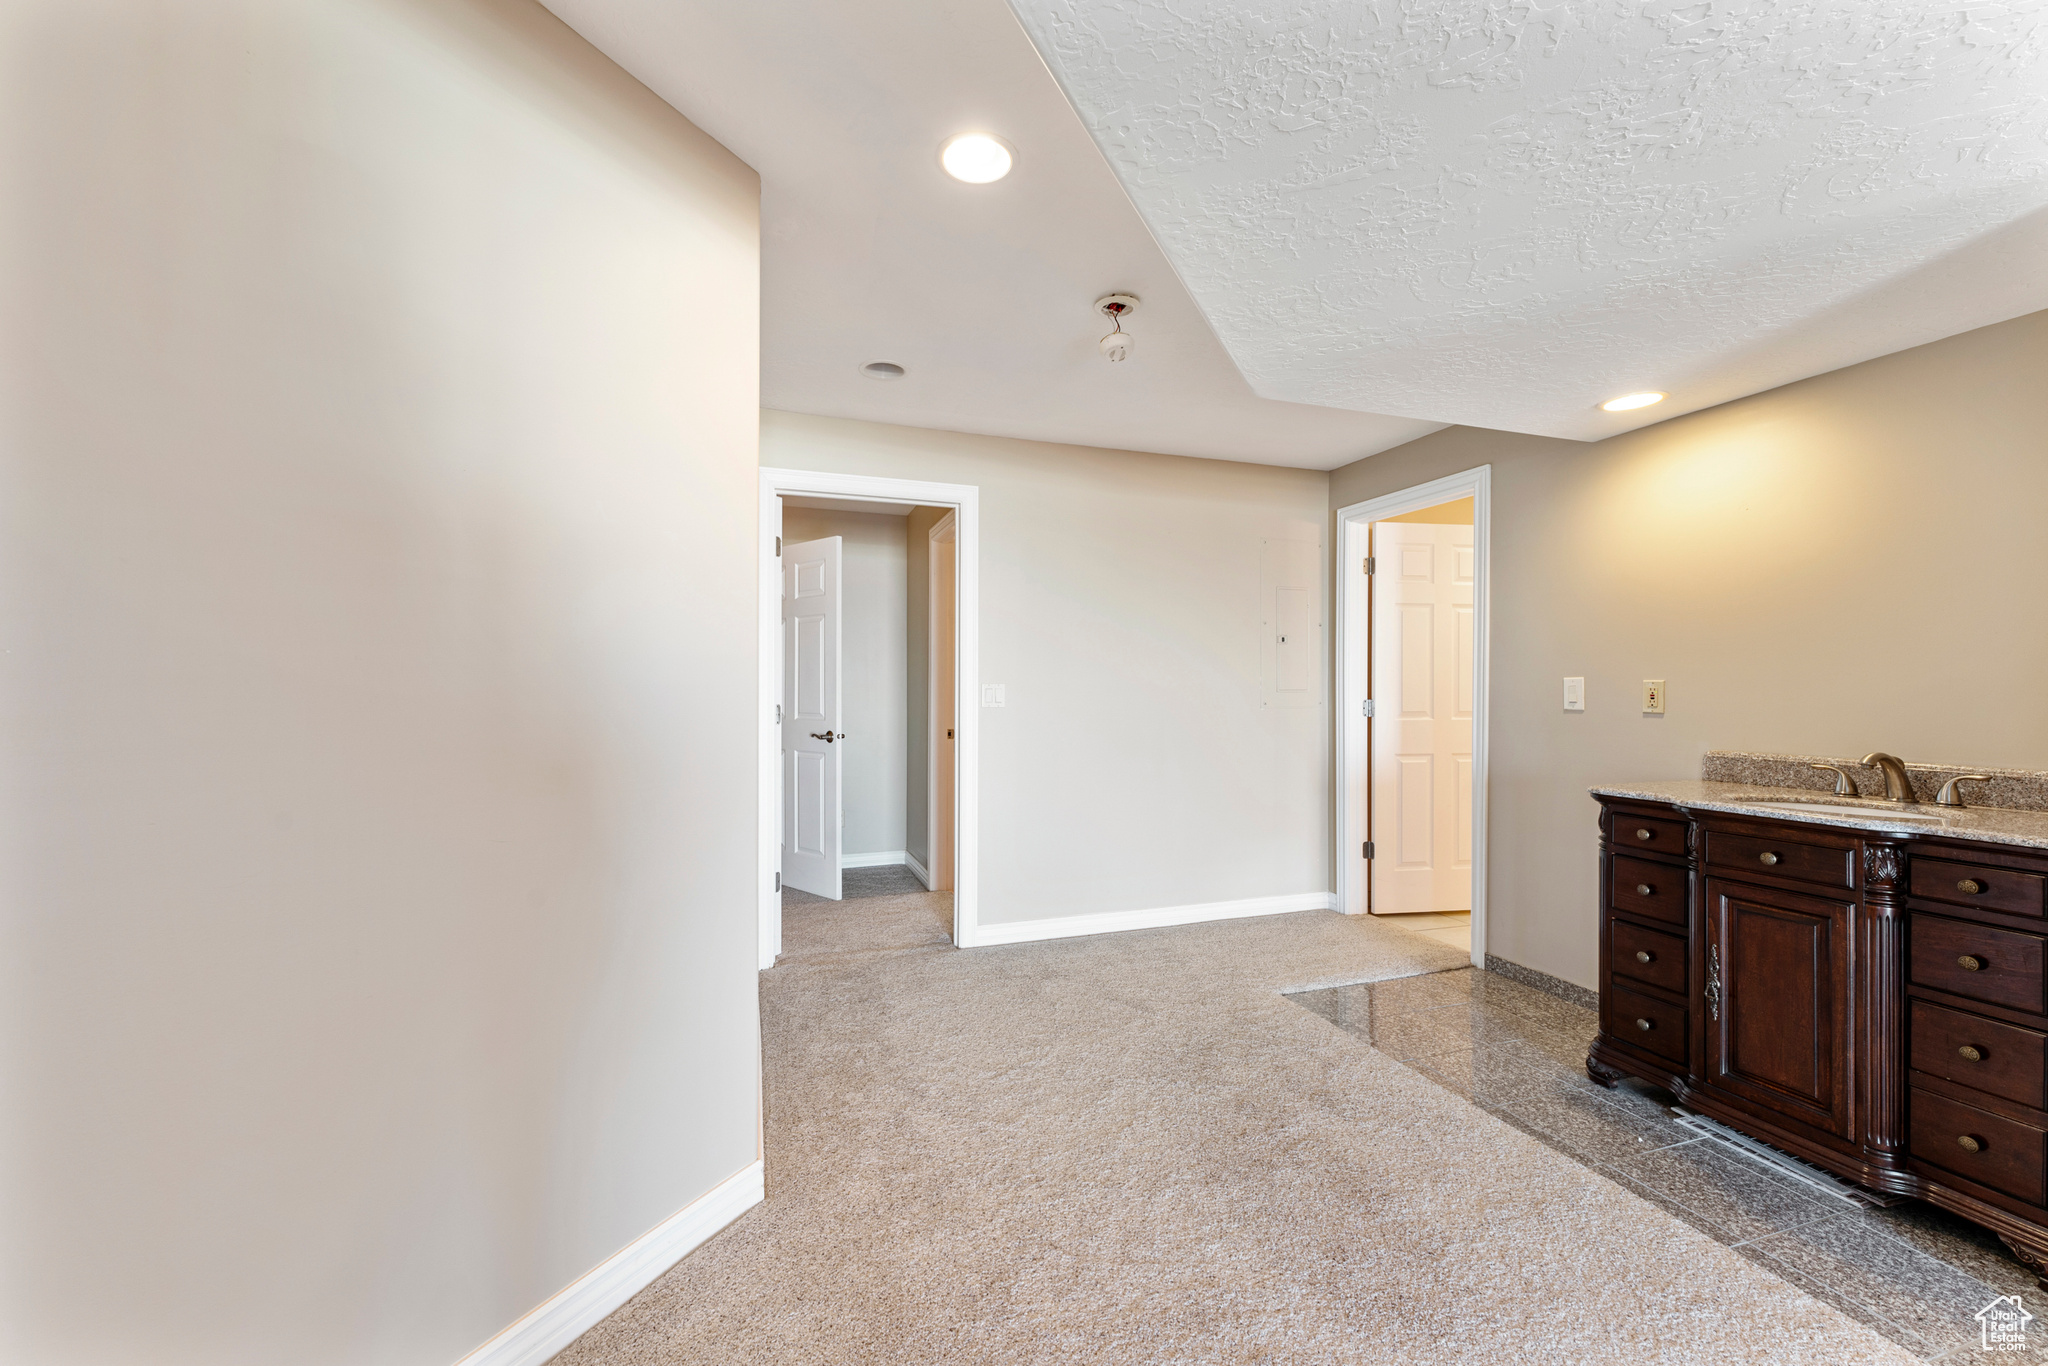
[(1368, 706), (1367, 851), (778, 547), (778, 713), (778, 882), (1368, 564)]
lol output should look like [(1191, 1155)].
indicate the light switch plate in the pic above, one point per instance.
[(992, 695), (1653, 697), (1575, 694)]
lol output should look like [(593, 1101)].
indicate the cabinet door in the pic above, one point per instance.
[(1775, 1009)]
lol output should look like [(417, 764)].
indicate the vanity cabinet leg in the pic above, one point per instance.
[(1602, 1073), (2033, 1257)]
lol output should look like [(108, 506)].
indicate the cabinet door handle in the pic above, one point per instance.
[(1767, 858), (1971, 1053), (1970, 962), (1644, 889), (1644, 1024), (1970, 1143), (1644, 956), (1970, 886), (1714, 979), (1642, 834)]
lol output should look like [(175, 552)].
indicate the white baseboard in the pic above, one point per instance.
[(918, 870), (1110, 922), (893, 858), (584, 1302)]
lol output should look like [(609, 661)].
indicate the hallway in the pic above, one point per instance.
[(1135, 1149)]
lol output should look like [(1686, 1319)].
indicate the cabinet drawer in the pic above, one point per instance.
[(1652, 889), (1632, 1018), (2002, 967), (1650, 834), (1986, 1055), (2009, 1156), (1646, 955), (1974, 884), (1782, 858)]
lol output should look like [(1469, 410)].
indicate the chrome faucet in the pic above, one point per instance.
[(1897, 786)]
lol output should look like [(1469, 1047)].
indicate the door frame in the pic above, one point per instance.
[(1353, 813), (948, 526), (965, 500)]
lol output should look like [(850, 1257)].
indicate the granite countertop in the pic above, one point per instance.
[(1995, 825)]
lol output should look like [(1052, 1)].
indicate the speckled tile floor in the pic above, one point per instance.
[(1446, 927), (1913, 1273)]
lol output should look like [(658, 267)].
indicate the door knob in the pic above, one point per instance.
[(1970, 962), (1971, 1053), (1767, 858), (828, 737)]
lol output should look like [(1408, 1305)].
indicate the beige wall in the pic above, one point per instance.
[(873, 663), (1457, 512), (1134, 766), (377, 592), (1848, 563), (917, 544)]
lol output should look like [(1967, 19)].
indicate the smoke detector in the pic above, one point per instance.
[(1116, 307)]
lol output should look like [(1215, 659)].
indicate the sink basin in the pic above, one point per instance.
[(1881, 813)]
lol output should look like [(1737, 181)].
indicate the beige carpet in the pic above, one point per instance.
[(1130, 1149)]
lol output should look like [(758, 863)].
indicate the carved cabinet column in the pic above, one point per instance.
[(1880, 1008)]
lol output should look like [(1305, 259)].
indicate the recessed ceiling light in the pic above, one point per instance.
[(882, 369), (976, 158), (1628, 401)]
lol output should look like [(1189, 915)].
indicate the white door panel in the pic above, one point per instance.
[(1422, 688), (811, 716)]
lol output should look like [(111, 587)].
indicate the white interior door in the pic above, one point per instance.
[(1422, 647), (811, 717)]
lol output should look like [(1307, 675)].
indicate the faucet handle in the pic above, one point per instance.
[(1844, 787), (1947, 796)]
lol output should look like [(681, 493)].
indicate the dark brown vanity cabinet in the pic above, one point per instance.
[(1777, 996), (1873, 1003)]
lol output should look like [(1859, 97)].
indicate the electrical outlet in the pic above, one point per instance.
[(1653, 697), (1575, 694)]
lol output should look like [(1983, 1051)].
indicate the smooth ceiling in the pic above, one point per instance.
[(1501, 212), (985, 293)]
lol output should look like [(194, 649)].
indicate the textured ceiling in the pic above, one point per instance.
[(985, 292), (1501, 213)]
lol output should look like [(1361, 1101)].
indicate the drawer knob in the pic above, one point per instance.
[(1970, 962), (1767, 858), (1642, 834), (1644, 955), (1644, 889), (1970, 886), (1971, 1053), (1970, 1143), (1644, 1024)]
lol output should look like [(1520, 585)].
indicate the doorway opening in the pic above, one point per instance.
[(1411, 791), (868, 757)]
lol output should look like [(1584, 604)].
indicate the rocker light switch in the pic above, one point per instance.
[(992, 695), (1575, 694), (1653, 697)]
